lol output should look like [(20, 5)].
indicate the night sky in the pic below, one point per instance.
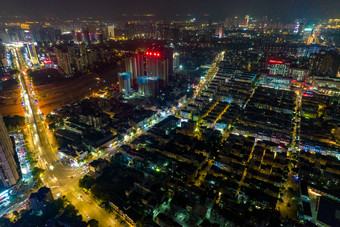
[(284, 9)]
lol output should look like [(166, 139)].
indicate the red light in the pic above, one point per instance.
[(154, 54), (47, 61), (275, 62), (147, 53), (158, 54), (89, 33), (82, 33)]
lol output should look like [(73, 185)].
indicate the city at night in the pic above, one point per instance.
[(221, 113)]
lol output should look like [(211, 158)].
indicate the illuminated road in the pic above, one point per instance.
[(288, 206), (56, 175)]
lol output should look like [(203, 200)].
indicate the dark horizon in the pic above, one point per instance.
[(216, 9)]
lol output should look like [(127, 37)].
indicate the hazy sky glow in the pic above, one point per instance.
[(285, 9)]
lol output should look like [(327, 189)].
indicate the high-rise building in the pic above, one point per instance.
[(3, 62), (155, 62), (9, 169), (2, 73), (159, 63), (83, 55), (246, 21), (3, 55), (64, 60), (111, 31), (135, 65), (219, 31), (307, 34), (148, 86), (124, 82), (32, 53), (326, 63), (176, 61)]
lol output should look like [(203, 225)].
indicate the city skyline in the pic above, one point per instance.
[(216, 9), (169, 113)]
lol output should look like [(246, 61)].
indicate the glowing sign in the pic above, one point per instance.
[(47, 61), (308, 29), (275, 62), (155, 54)]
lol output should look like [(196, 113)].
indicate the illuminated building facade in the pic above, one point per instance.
[(277, 67), (219, 31), (83, 55), (176, 61), (3, 59), (307, 33), (326, 63), (148, 86), (159, 63), (135, 66), (155, 62), (9, 169), (3, 62), (277, 82), (111, 31), (48, 63), (246, 21), (32, 52), (333, 23), (124, 82), (64, 60)]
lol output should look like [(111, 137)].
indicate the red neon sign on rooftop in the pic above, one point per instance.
[(156, 54), (275, 62)]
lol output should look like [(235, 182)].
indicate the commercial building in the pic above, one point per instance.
[(9, 169), (277, 82), (277, 67), (148, 86), (124, 82)]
